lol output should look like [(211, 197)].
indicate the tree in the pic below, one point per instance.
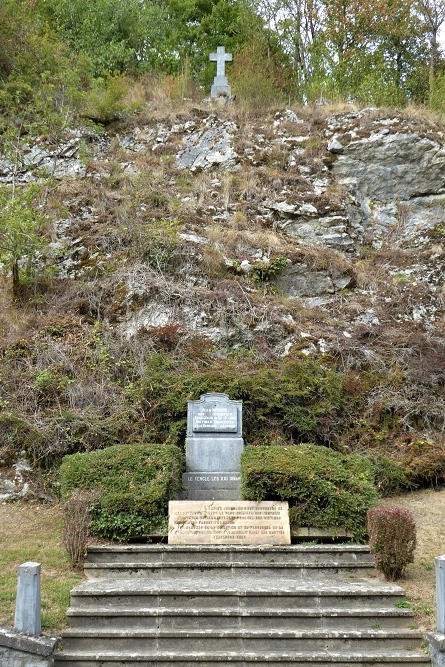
[(110, 33), (433, 15), (20, 238)]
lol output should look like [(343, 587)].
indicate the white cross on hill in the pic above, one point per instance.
[(220, 83), (221, 58)]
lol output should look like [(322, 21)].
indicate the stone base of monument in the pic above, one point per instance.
[(211, 485), (220, 90), (228, 522)]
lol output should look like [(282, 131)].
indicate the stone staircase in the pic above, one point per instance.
[(209, 606)]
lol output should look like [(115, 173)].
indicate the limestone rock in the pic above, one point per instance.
[(393, 167), (298, 280), (207, 148)]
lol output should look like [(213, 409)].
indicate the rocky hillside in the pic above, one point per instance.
[(211, 241)]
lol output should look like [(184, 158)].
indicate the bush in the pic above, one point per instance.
[(424, 460), (135, 483), (300, 400), (17, 438), (325, 489), (76, 524), (392, 539), (391, 477)]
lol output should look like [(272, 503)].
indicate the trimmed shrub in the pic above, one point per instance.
[(392, 539), (135, 483), (324, 489)]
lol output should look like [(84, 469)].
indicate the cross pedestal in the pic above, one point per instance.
[(220, 83)]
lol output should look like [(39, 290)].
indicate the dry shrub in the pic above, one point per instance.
[(319, 258), (368, 276), (165, 337), (236, 240), (392, 539), (423, 459), (258, 78), (76, 524)]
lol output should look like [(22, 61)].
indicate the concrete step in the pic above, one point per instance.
[(225, 570), (253, 593), (220, 618), (186, 555), (383, 658), (299, 606), (242, 641)]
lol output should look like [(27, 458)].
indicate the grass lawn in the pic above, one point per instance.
[(32, 532), (428, 509)]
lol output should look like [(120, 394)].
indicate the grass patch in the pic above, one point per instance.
[(33, 533)]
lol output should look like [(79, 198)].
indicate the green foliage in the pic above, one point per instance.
[(325, 489), (265, 271), (135, 483), (106, 100), (391, 477), (20, 237), (299, 399), (392, 539), (109, 32), (17, 435), (51, 383), (40, 83)]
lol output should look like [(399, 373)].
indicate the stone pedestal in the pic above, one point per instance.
[(213, 449), (212, 485), (220, 87)]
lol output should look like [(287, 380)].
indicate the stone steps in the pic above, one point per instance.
[(154, 605), (154, 553), (240, 640), (222, 618), (383, 658), (225, 570), (245, 593)]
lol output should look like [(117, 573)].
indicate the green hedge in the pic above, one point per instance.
[(324, 489), (135, 483)]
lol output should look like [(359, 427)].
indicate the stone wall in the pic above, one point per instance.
[(18, 650)]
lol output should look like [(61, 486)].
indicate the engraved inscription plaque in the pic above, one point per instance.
[(214, 417), (228, 522)]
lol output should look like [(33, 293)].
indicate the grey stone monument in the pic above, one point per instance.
[(220, 83), (213, 448)]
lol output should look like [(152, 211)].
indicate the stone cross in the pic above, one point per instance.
[(220, 83), (221, 58)]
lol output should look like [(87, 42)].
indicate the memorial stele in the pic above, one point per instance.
[(211, 510)]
